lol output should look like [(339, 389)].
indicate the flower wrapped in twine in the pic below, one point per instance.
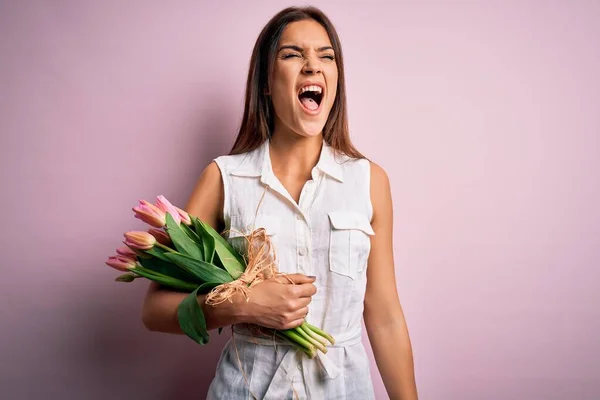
[(261, 264)]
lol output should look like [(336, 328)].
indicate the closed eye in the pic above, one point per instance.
[(290, 55)]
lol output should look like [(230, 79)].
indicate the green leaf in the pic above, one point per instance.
[(204, 271), (227, 257), (207, 287), (191, 318), (165, 280), (208, 242), (158, 253), (195, 238), (168, 268), (182, 241)]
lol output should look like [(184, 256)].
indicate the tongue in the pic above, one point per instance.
[(309, 103)]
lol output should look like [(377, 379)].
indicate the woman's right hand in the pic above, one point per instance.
[(278, 303)]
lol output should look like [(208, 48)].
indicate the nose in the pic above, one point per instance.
[(311, 66)]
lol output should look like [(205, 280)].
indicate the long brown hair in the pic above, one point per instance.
[(258, 120)]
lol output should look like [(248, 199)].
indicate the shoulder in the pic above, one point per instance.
[(230, 162), (211, 174), (379, 177), (381, 196), (206, 199)]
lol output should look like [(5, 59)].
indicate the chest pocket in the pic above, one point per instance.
[(242, 225), (350, 242)]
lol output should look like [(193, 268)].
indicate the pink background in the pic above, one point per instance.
[(485, 115)]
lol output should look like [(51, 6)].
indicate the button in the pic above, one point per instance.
[(302, 251)]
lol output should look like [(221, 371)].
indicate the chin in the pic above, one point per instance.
[(310, 129), (301, 124), (310, 126)]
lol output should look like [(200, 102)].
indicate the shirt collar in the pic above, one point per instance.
[(330, 164), (258, 163)]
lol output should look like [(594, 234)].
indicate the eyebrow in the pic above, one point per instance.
[(300, 49)]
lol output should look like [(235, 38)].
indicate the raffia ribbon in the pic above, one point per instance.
[(261, 264)]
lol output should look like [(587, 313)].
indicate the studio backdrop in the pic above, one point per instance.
[(485, 115)]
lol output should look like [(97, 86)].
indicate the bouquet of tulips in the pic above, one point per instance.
[(182, 252)]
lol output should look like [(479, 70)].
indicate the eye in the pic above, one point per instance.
[(330, 57), (290, 55)]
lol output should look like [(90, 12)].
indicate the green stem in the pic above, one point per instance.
[(313, 335), (309, 353), (166, 248), (299, 340), (320, 332), (310, 339)]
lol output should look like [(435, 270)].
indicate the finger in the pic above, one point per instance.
[(305, 290), (297, 279), (304, 302), (299, 314), (293, 324), (300, 303)]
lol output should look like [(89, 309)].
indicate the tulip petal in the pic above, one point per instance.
[(139, 240), (167, 207), (126, 251), (150, 214), (161, 236), (185, 217), (121, 263)]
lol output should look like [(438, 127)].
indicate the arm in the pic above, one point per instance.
[(159, 312), (272, 304), (383, 315)]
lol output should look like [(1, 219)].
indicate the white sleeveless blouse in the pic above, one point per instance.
[(326, 235)]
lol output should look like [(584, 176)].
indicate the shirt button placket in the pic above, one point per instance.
[(302, 245), (303, 238)]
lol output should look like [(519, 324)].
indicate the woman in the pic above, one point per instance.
[(328, 211)]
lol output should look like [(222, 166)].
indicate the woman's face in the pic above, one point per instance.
[(303, 84)]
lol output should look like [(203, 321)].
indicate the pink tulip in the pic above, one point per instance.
[(126, 252), (139, 240), (167, 207), (121, 263), (185, 217), (161, 236), (150, 214)]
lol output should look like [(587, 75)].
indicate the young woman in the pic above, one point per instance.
[(328, 212)]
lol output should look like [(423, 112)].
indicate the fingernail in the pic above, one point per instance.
[(310, 276)]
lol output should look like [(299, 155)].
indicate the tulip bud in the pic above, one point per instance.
[(126, 278), (167, 207), (139, 240), (150, 214), (161, 236), (126, 252), (121, 263)]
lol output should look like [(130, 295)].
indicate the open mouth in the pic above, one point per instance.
[(311, 96)]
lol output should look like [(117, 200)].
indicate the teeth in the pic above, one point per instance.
[(312, 88)]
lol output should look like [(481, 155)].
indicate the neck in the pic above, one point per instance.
[(294, 154)]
